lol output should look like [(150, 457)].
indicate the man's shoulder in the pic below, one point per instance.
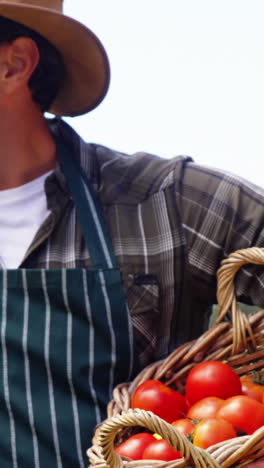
[(128, 177), (131, 178)]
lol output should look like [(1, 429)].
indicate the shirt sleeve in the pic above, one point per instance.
[(221, 213)]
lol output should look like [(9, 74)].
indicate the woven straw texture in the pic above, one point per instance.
[(239, 341)]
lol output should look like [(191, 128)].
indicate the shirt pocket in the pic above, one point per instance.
[(143, 299)]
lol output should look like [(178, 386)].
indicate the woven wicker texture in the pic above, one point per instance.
[(239, 342)]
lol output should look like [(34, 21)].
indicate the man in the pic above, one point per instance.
[(108, 261)]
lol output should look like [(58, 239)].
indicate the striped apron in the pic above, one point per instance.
[(66, 341)]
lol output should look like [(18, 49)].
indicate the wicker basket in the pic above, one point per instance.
[(239, 342)]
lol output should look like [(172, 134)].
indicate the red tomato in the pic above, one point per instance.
[(212, 378), (185, 426), (205, 408), (211, 431), (154, 396), (252, 388), (243, 412), (188, 405), (160, 450), (134, 446)]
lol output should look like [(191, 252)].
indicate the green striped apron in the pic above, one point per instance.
[(66, 341)]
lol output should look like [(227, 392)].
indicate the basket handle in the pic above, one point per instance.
[(147, 419), (226, 294)]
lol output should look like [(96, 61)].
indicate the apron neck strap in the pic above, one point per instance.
[(89, 210)]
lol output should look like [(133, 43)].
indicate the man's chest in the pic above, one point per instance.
[(150, 255)]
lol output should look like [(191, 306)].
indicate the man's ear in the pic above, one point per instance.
[(21, 59)]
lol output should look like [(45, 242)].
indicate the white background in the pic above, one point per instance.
[(187, 77)]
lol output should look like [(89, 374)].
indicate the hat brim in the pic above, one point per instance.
[(86, 63)]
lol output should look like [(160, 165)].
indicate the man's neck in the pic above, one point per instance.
[(27, 149)]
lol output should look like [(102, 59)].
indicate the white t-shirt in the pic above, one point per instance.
[(22, 211)]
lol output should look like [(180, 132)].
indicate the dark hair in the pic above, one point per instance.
[(47, 78)]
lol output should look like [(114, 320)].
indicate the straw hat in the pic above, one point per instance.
[(86, 62)]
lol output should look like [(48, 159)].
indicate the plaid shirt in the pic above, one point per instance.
[(171, 223)]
